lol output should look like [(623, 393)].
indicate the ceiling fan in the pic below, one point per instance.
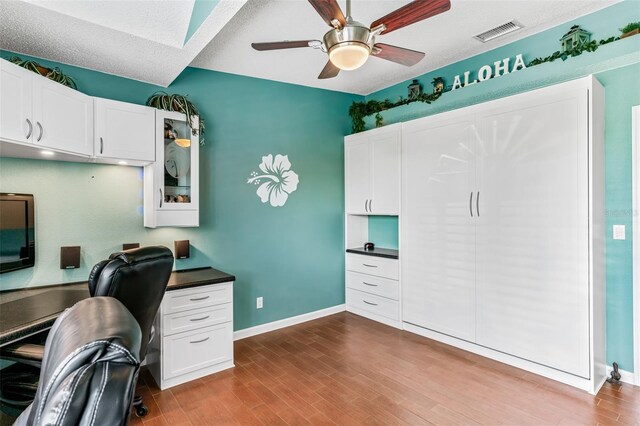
[(349, 43)]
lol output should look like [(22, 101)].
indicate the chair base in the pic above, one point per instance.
[(138, 405)]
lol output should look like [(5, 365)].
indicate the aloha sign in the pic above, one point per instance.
[(486, 72)]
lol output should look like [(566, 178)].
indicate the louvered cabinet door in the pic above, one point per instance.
[(437, 224), (532, 234)]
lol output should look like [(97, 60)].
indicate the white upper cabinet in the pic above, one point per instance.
[(372, 171), (63, 117), (124, 131), (171, 183), (16, 123), (42, 113)]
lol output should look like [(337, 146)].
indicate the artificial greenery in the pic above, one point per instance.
[(180, 103), (52, 74), (359, 110), (592, 46), (630, 27)]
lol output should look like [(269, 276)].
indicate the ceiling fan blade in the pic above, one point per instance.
[(329, 71), (397, 54), (329, 10), (411, 13), (275, 45)]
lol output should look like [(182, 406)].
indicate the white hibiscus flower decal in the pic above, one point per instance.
[(277, 180)]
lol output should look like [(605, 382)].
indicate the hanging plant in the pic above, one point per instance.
[(179, 103), (52, 74)]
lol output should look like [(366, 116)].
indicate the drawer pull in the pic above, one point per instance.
[(199, 298), (369, 266), (369, 303), (199, 341), (199, 319), (372, 285)]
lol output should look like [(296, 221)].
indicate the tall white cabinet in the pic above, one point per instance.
[(502, 236)]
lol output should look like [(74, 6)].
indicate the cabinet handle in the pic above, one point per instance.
[(41, 131), (365, 205), (199, 298), (371, 285), (370, 303), (199, 319), (478, 203), (199, 341), (470, 201), (161, 197), (30, 128), (369, 266), (101, 145), (370, 210)]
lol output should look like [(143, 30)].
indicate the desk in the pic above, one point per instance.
[(29, 311)]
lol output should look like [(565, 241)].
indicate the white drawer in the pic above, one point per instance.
[(375, 285), (372, 265), (374, 304), (196, 318), (193, 350), (196, 297)]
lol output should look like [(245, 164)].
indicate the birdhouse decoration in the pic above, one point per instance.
[(574, 38), (415, 90), (438, 85)]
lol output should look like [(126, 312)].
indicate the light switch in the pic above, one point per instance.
[(618, 232)]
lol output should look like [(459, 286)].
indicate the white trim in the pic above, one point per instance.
[(626, 376), (287, 322), (581, 383), (635, 159)]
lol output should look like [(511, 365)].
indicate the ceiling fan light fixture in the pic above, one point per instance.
[(349, 56)]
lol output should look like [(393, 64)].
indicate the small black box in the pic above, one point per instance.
[(182, 249), (70, 257)]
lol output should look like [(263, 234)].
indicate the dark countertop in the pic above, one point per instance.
[(27, 311), (378, 252)]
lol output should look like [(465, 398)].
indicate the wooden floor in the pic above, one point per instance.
[(346, 370)]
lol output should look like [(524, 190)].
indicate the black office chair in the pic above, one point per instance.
[(138, 278), (89, 369)]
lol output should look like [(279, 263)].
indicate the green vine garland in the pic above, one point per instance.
[(180, 103), (359, 110), (52, 74)]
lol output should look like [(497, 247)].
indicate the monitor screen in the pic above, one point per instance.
[(17, 232)]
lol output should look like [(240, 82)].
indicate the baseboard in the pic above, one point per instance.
[(626, 376), (275, 325)]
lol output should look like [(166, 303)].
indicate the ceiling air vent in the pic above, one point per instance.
[(498, 31)]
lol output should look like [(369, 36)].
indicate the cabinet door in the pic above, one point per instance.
[(385, 172), (358, 175), (124, 131), (15, 103), (63, 117), (532, 277), (437, 224)]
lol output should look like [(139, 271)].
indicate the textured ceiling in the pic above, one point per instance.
[(139, 39), (445, 38), (143, 39)]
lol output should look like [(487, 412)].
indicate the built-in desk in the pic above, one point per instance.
[(25, 312)]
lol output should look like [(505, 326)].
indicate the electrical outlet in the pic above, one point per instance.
[(259, 303), (618, 232)]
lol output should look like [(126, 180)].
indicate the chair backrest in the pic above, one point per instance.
[(138, 278), (90, 367)]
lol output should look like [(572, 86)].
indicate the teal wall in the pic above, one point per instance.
[(383, 231), (201, 11), (292, 256), (617, 67)]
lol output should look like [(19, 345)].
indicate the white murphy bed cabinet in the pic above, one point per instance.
[(372, 175), (502, 231), (171, 183), (124, 132), (195, 334), (39, 113)]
